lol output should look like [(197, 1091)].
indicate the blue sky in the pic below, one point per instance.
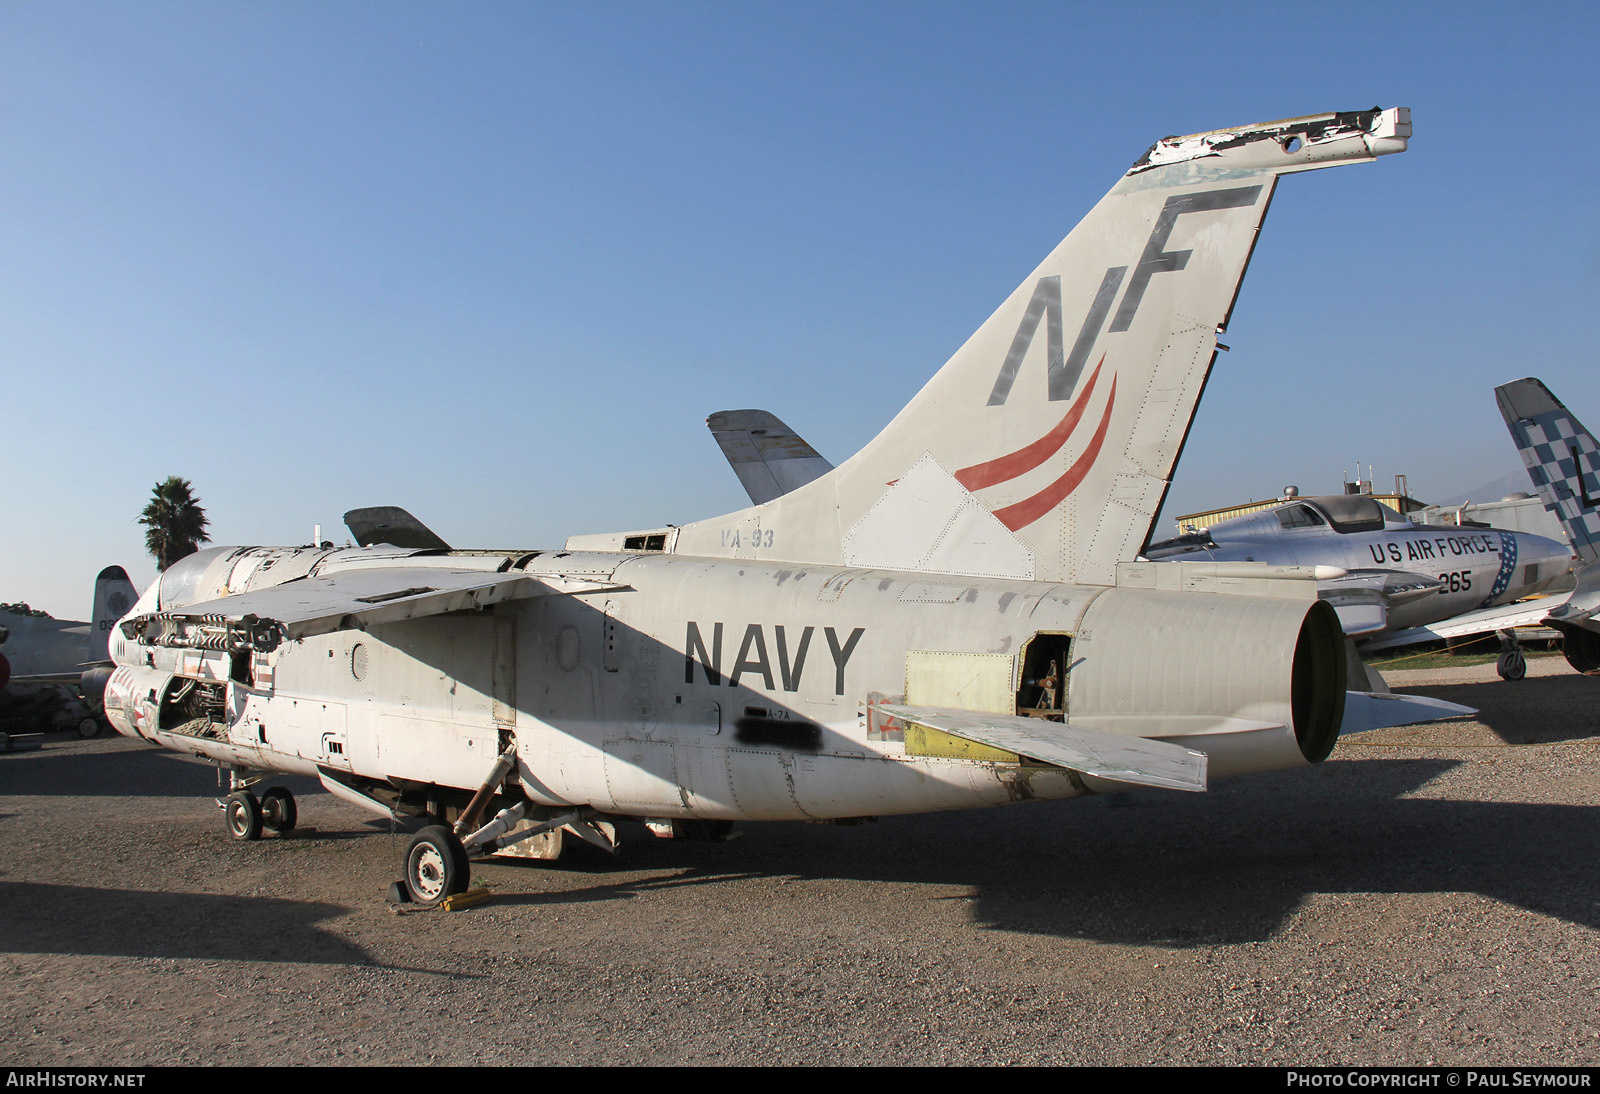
[(497, 262)]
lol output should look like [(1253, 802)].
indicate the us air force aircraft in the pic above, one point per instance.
[(1560, 455), (953, 618), (1387, 573)]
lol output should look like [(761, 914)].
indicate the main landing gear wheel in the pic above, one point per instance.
[(244, 815), (1512, 665), (1582, 650), (436, 866), (278, 814)]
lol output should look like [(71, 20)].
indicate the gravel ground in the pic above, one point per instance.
[(1427, 896)]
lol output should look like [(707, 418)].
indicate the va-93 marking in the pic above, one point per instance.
[(757, 537)]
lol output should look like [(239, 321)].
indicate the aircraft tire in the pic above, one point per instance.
[(1512, 665), (436, 866), (1582, 650), (278, 812), (88, 727), (243, 813)]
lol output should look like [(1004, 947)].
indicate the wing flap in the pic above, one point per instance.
[(1088, 751)]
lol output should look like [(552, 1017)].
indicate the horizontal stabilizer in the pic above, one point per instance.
[(1364, 710), (1363, 599), (1582, 608), (392, 525), (1088, 751), (352, 600)]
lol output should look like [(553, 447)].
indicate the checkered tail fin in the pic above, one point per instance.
[(1561, 457)]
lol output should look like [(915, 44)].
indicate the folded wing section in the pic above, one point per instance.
[(263, 619)]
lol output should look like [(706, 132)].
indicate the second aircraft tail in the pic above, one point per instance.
[(1564, 464)]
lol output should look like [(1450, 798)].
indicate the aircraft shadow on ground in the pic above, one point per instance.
[(138, 770), (72, 919), (1516, 710), (1173, 870)]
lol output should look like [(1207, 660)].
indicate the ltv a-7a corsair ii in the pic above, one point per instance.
[(950, 619)]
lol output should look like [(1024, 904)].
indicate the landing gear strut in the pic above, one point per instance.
[(241, 809), (1511, 665)]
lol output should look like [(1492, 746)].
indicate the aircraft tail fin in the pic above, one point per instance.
[(1561, 458), (770, 458), (1044, 447), (114, 594)]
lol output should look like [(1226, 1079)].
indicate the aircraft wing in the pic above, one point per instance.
[(1089, 751), (1582, 607), (1524, 613), (351, 600), (72, 677)]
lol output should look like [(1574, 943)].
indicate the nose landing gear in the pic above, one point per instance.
[(243, 814), (247, 816)]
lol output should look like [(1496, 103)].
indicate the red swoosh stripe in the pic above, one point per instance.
[(1028, 510), (1004, 468)]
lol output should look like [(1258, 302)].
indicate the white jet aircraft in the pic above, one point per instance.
[(40, 656), (951, 619)]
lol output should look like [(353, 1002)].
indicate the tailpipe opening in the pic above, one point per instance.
[(1317, 688)]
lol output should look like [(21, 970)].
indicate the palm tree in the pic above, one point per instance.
[(175, 525)]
